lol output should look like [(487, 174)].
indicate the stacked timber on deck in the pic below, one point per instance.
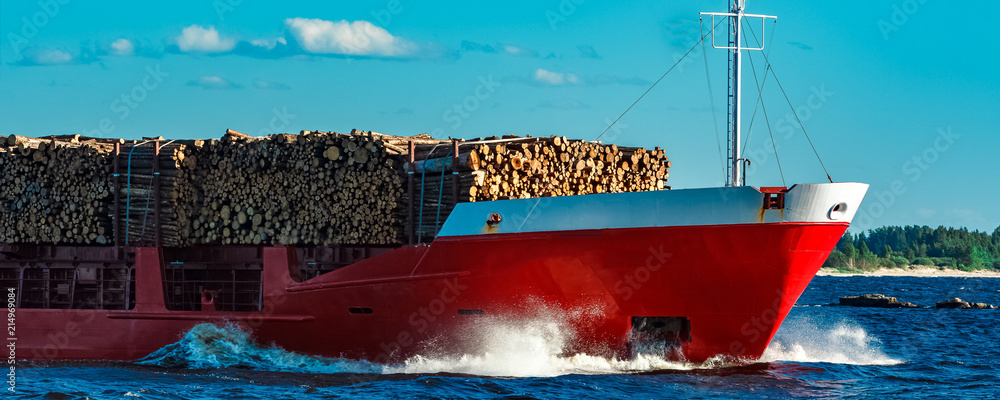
[(515, 167), (55, 190), (308, 189), (314, 188)]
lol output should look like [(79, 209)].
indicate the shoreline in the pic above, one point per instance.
[(919, 271)]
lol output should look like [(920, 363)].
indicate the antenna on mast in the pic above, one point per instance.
[(735, 166)]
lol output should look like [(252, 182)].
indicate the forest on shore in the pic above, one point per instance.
[(899, 247)]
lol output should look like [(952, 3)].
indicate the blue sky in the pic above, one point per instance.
[(900, 94)]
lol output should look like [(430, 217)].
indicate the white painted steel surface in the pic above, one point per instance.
[(811, 203)]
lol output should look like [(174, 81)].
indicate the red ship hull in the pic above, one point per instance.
[(734, 305), (709, 289)]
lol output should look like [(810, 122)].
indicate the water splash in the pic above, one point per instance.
[(536, 347), (843, 343), (211, 346), (533, 347)]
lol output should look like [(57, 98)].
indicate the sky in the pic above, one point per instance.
[(900, 94)]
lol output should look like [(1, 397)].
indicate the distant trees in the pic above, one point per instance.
[(917, 245)]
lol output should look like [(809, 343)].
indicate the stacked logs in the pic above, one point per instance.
[(516, 168), (55, 190), (315, 188)]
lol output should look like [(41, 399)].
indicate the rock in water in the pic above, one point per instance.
[(875, 300), (956, 302)]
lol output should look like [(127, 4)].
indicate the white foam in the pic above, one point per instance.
[(843, 343), (527, 347), (535, 348)]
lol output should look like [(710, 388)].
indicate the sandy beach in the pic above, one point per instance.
[(915, 270)]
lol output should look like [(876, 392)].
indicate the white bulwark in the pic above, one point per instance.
[(803, 203)]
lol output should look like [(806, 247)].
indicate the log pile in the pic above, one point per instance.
[(55, 190), (315, 188), (517, 168), (312, 188)]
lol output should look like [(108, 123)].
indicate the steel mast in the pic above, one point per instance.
[(735, 45)]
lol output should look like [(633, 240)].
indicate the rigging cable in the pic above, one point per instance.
[(711, 104), (762, 83), (700, 41), (657, 81), (798, 120), (764, 109)]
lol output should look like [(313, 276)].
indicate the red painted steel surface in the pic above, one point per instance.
[(735, 284)]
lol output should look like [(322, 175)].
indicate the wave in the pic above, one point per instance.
[(532, 347), (228, 346), (521, 348), (843, 343)]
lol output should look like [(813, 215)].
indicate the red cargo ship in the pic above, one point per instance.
[(703, 272)]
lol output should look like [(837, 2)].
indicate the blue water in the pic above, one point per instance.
[(821, 351)]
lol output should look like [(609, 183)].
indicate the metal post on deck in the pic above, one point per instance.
[(156, 193), (454, 171), (116, 228), (409, 200)]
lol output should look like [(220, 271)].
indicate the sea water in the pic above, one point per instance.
[(822, 350)]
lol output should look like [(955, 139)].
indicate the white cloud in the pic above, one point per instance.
[(519, 51), (555, 78), (360, 38), (268, 43), (214, 82), (195, 39), (263, 84), (122, 47), (41, 56)]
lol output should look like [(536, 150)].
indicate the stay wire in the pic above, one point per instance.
[(770, 133), (711, 100), (657, 81), (762, 83), (789, 101), (546, 188)]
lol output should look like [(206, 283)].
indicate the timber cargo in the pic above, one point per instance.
[(307, 189)]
